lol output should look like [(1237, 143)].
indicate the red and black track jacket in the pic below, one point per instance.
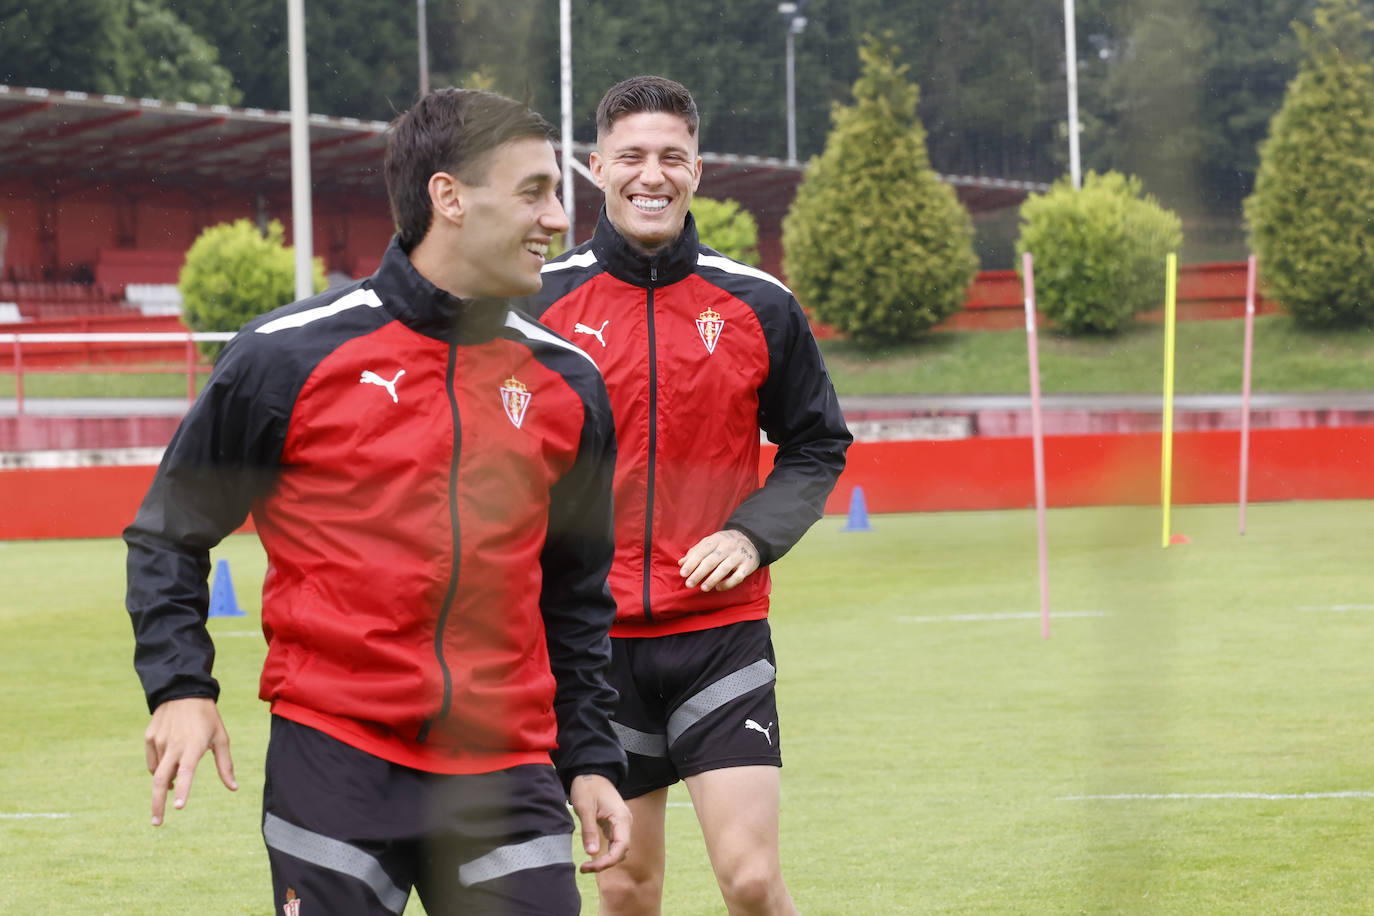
[(430, 478), (699, 352)]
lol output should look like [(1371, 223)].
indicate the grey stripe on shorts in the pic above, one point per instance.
[(536, 853), (728, 688), (335, 855), (644, 744)]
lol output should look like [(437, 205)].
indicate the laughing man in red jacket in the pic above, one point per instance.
[(429, 471), (699, 352)]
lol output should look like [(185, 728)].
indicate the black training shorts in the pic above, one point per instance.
[(348, 832), (694, 702)]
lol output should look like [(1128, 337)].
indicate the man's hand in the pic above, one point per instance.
[(178, 736), (601, 812), (720, 561)]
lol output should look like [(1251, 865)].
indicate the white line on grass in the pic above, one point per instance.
[(1338, 608), (1219, 796), (26, 815), (1029, 615)]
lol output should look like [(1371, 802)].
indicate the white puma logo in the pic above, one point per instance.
[(754, 726), (581, 328), (372, 378)]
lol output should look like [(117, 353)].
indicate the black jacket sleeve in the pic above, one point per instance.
[(576, 601), (219, 460), (799, 412)]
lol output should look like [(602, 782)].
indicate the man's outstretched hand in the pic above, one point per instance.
[(603, 814), (179, 734)]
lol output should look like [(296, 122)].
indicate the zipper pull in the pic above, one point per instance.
[(653, 273)]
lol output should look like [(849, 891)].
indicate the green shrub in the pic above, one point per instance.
[(1099, 252), (875, 244), (727, 228), (1310, 216), (234, 273)]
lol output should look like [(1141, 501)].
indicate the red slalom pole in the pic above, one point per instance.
[(1037, 439), (1250, 271)]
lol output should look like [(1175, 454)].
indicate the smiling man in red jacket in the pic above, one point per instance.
[(699, 353), (430, 473)]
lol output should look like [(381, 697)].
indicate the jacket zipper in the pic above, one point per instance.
[(653, 443), (453, 526)]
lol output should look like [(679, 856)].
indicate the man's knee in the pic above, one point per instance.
[(630, 889), (752, 886)]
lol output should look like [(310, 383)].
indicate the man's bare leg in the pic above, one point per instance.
[(635, 886), (738, 811)]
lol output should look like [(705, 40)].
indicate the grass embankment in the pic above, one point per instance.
[(1209, 360)]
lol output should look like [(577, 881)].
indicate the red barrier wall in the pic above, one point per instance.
[(1206, 292), (72, 502), (1123, 469), (976, 473)]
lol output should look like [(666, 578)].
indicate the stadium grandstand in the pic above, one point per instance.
[(103, 195)]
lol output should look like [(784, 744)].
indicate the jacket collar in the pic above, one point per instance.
[(431, 311), (624, 262)]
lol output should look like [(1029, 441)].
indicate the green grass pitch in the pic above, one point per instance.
[(1193, 738)]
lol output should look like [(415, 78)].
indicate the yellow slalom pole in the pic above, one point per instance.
[(1170, 306)]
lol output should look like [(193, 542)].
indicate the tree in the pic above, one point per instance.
[(722, 225), (739, 84), (167, 60), (875, 244), (1154, 94), (124, 47), (1179, 92), (1309, 217), (61, 44), (991, 77), (361, 55), (1099, 252), (234, 273)]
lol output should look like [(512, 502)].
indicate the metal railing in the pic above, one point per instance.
[(190, 338)]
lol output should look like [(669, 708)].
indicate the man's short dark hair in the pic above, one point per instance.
[(449, 130), (646, 93)]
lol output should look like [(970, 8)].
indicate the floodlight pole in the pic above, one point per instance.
[(565, 101), (1071, 70), (422, 33), (302, 233), (791, 14)]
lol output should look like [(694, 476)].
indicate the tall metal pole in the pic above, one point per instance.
[(302, 233), (565, 97), (791, 98), (423, 33), (1071, 69)]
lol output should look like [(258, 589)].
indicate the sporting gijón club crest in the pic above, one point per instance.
[(515, 397), (709, 326)]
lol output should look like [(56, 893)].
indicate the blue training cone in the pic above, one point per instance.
[(222, 600), (858, 512)]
